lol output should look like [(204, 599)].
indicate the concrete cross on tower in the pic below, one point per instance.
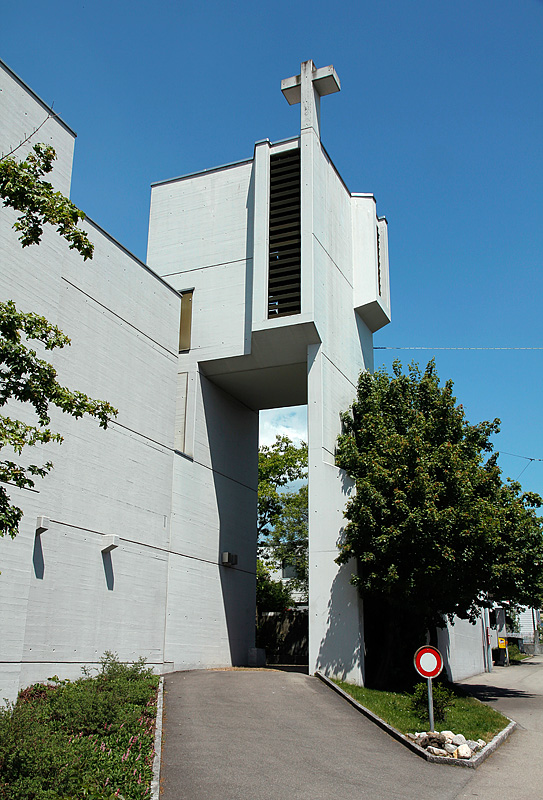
[(307, 88)]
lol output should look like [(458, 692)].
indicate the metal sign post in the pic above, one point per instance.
[(429, 663), (430, 704)]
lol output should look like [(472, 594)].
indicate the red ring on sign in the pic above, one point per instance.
[(428, 662)]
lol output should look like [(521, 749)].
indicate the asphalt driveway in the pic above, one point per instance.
[(270, 735)]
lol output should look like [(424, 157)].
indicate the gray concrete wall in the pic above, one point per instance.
[(64, 602), (21, 113), (464, 648)]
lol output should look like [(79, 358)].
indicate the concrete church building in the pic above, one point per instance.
[(265, 281)]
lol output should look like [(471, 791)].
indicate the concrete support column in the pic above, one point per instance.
[(335, 613), (261, 184)]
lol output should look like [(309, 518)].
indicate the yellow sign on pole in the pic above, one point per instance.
[(502, 643)]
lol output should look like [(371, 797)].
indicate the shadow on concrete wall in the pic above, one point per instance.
[(231, 441), (37, 558), (108, 570), (443, 644), (339, 637)]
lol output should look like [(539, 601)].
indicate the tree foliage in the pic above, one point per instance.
[(286, 544), (22, 188), (283, 512), (25, 377), (432, 525), (270, 595), (278, 464)]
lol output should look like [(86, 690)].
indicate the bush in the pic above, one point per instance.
[(515, 656), (87, 738), (443, 700)]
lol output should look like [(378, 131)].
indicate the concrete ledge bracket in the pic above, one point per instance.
[(110, 543)]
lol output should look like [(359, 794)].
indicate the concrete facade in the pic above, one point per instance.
[(189, 348), (175, 475), (64, 601)]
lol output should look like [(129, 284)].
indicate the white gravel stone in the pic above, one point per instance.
[(464, 751), (459, 739), (436, 751), (450, 748)]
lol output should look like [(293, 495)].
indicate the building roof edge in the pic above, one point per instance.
[(45, 105)]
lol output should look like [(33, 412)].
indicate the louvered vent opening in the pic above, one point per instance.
[(379, 261), (284, 286)]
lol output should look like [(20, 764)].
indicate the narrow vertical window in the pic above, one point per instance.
[(185, 324), (378, 261), (181, 412), (284, 283)]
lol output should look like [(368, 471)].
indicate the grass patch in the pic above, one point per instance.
[(91, 738), (463, 715), (515, 656)]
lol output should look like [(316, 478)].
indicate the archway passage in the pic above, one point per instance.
[(282, 623)]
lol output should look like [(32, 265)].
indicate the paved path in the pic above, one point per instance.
[(516, 768), (269, 735)]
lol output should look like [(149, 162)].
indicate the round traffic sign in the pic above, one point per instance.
[(428, 662)]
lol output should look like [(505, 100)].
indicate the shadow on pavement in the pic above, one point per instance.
[(488, 693), (303, 668)]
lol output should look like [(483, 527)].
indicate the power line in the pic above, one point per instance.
[(516, 455), (456, 348), (528, 458)]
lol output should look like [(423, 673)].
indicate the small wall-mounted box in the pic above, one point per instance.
[(110, 542), (229, 559), (42, 524)]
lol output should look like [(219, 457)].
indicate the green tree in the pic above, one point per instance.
[(286, 543), (434, 530), (283, 513), (270, 595), (24, 377), (278, 465)]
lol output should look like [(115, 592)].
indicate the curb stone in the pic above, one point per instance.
[(155, 783), (472, 763)]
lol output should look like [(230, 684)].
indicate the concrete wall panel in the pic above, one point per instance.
[(462, 646), (22, 113), (199, 221)]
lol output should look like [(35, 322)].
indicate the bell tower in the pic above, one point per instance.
[(287, 274)]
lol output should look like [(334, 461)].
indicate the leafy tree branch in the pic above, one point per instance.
[(22, 188), (25, 377)]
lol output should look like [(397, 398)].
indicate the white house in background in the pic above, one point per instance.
[(529, 624), (265, 281)]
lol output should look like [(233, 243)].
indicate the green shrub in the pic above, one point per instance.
[(443, 700), (87, 738), (515, 656)]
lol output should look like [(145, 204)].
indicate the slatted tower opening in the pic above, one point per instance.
[(284, 282)]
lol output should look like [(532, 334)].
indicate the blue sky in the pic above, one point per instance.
[(440, 116)]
